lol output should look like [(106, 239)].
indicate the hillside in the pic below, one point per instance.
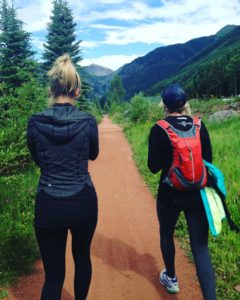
[(188, 63), (96, 70), (215, 70), (159, 64), (225, 30), (97, 77)]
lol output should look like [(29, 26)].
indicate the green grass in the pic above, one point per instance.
[(3, 294), (206, 107), (226, 149), (17, 244)]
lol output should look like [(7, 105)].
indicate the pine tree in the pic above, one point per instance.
[(61, 38), (16, 62), (116, 92), (233, 73)]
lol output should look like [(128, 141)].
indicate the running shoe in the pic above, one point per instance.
[(171, 284)]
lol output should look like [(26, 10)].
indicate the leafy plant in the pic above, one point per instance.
[(15, 111), (17, 244)]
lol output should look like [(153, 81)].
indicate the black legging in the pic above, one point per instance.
[(52, 244), (198, 232)]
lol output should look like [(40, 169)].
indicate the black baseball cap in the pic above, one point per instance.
[(174, 96)]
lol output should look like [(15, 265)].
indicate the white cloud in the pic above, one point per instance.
[(140, 21), (89, 44), (38, 43), (167, 11), (162, 33), (110, 61), (121, 22), (111, 1), (107, 27), (173, 22), (35, 15)]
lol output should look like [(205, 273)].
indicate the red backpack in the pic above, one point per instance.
[(187, 171)]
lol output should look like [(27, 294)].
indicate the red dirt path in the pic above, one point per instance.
[(125, 250)]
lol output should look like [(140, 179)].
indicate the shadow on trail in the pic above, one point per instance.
[(123, 257)]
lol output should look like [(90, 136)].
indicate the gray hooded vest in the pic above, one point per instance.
[(61, 140)]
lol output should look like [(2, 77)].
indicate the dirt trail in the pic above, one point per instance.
[(125, 251)]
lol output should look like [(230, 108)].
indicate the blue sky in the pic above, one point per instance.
[(115, 32)]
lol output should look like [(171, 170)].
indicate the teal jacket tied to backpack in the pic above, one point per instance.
[(213, 198), (214, 209)]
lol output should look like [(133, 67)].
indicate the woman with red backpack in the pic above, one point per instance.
[(177, 146)]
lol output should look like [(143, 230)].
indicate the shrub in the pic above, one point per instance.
[(139, 110), (15, 111), (17, 244)]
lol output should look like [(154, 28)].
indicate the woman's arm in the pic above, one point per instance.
[(159, 150), (206, 143), (94, 142), (30, 140)]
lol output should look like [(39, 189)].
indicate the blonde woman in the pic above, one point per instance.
[(61, 140)]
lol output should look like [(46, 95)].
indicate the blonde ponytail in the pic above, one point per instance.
[(64, 79)]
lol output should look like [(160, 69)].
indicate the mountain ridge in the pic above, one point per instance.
[(158, 64), (148, 72), (97, 70), (212, 59)]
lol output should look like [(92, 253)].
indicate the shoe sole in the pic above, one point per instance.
[(169, 290)]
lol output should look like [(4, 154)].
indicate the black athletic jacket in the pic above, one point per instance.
[(160, 153), (61, 140)]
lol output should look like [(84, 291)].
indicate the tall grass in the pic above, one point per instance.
[(17, 243), (226, 149)]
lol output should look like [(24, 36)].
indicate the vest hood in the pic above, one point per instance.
[(61, 122)]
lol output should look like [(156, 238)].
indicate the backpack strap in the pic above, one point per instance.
[(197, 122), (163, 124), (166, 127)]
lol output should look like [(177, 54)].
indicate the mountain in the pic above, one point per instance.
[(225, 30), (97, 77), (97, 70), (159, 64), (185, 63), (215, 70)]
